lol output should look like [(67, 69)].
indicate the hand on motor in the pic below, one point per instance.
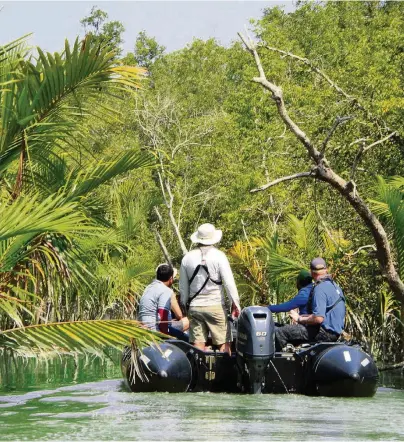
[(235, 312), (294, 314)]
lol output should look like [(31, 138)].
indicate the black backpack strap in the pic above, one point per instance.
[(341, 298), (197, 293), (208, 278), (195, 273), (311, 295)]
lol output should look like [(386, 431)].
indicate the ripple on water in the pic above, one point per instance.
[(81, 412)]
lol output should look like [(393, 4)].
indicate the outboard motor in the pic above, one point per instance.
[(255, 346)]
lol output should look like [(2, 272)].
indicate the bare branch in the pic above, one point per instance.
[(277, 96), (163, 248), (160, 218), (368, 246), (325, 173), (337, 122), (364, 149), (315, 69), (285, 178)]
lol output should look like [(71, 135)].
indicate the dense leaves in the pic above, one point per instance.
[(74, 135)]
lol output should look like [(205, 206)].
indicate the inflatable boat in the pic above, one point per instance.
[(326, 368)]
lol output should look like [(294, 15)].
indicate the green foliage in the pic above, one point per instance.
[(76, 337), (147, 51), (213, 136), (106, 32), (390, 206)]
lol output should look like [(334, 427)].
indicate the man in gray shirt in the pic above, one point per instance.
[(158, 300)]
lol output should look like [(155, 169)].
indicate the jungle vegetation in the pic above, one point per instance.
[(106, 168)]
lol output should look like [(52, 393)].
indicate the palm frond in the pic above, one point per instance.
[(77, 337), (28, 215), (305, 233), (83, 182), (390, 206), (42, 100), (280, 267)]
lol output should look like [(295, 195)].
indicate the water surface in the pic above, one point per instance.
[(42, 408)]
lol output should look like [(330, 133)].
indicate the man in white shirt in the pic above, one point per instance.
[(205, 271)]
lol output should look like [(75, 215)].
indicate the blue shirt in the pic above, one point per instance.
[(299, 301), (325, 296)]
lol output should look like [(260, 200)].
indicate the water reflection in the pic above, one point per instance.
[(106, 410)]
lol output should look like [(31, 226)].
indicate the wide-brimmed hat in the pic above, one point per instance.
[(206, 235)]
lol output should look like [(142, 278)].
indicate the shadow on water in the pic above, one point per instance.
[(70, 398)]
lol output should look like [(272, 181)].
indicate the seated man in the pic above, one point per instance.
[(157, 301), (326, 308), (304, 283)]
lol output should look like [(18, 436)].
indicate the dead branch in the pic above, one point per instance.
[(163, 247), (285, 178), (325, 173), (277, 96), (315, 69), (368, 246), (337, 122), (364, 149), (172, 218)]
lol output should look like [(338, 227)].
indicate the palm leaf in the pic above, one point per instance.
[(39, 106), (390, 206), (77, 337), (27, 215), (280, 267), (83, 182)]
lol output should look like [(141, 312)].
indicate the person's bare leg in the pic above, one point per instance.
[(200, 345)]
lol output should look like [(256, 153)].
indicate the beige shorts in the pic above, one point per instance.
[(211, 318)]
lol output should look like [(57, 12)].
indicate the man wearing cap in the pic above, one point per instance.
[(158, 300), (205, 273), (304, 283), (326, 312)]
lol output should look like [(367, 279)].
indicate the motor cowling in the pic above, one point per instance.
[(255, 346)]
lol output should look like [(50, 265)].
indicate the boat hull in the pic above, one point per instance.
[(326, 369)]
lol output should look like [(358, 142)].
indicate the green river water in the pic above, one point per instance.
[(85, 399)]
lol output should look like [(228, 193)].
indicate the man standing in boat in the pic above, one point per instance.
[(158, 300), (205, 273), (326, 312)]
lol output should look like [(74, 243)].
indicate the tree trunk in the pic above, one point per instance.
[(349, 192)]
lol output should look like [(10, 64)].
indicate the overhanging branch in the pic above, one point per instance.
[(277, 96), (285, 178)]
